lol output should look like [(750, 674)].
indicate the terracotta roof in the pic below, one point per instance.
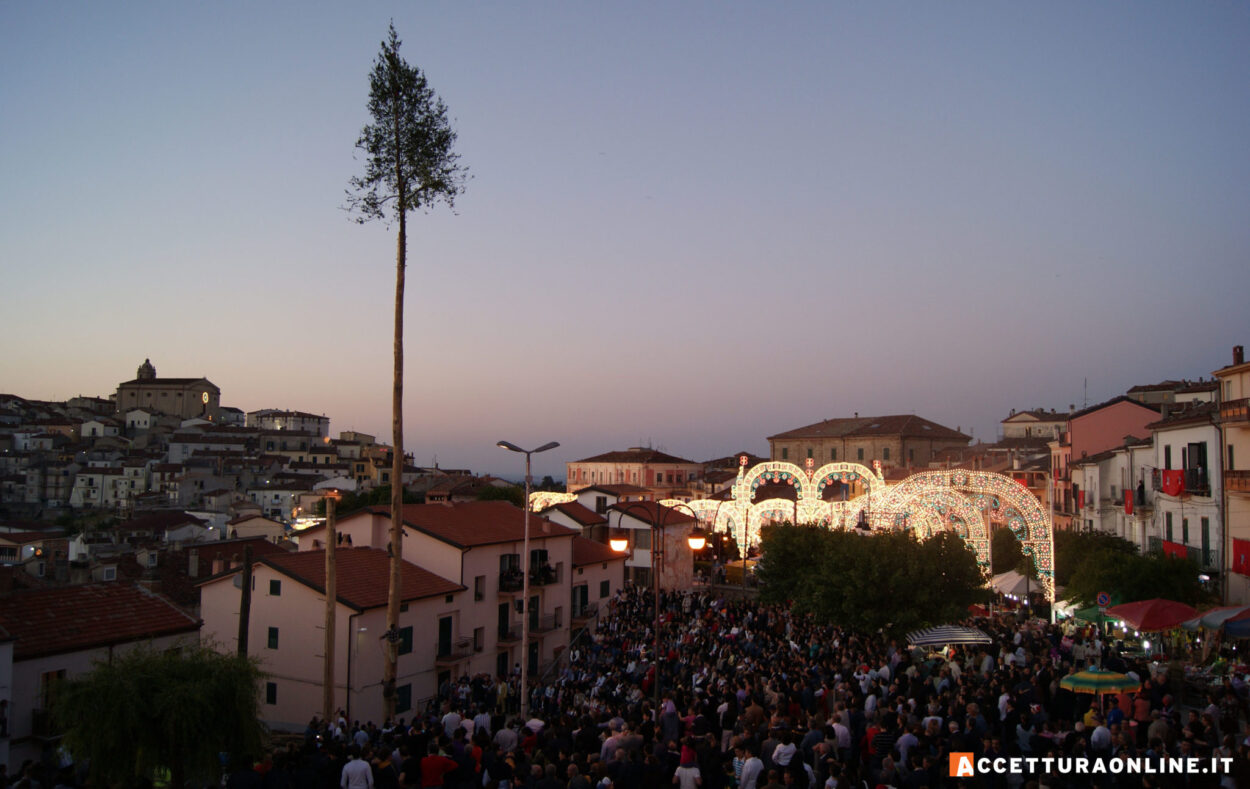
[(362, 576), (471, 523), (895, 425), (635, 455), (579, 513), (650, 511), (232, 550), (1040, 414), (590, 552), (23, 537), (159, 520), (1189, 413), (167, 382), (618, 490), (1111, 402), (1162, 386), (731, 461), (58, 620)]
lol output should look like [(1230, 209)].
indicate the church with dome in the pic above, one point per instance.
[(186, 398)]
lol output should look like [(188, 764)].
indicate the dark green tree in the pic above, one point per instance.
[(1129, 577), (410, 165), (149, 711), (1009, 554), (890, 581), (1073, 547)]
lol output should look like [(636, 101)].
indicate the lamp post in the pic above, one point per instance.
[(525, 576), (696, 541)]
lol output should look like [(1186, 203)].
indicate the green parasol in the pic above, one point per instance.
[(1097, 680)]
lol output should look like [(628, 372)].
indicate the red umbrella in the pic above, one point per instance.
[(1151, 615)]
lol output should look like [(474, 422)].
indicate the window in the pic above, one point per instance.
[(1167, 457), (833, 454), (604, 588), (405, 640), (403, 698), (1231, 465), (1167, 526), (809, 451), (601, 504), (275, 588), (479, 639), (859, 453), (1185, 530), (273, 638), (785, 453), (885, 453), (479, 587), (271, 693), (911, 455), (642, 539), (109, 574)]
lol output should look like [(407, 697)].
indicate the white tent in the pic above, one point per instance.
[(1013, 583)]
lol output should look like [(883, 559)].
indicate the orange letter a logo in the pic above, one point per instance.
[(961, 765)]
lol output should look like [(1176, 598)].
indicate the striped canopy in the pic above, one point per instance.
[(1097, 680), (1213, 619), (944, 635)]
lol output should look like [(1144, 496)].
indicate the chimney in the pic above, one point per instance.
[(193, 563), (1239, 354)]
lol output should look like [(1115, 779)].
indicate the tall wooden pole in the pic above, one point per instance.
[(327, 682), (245, 600)]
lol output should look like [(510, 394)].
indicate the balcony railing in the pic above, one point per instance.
[(583, 613), (1237, 481), (449, 653), (1196, 482), (1232, 411), (546, 624), (511, 580), (544, 575), (510, 633)]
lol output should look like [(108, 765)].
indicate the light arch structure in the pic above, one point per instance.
[(964, 501)]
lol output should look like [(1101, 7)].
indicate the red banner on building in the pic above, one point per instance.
[(1080, 499), (1128, 502), (1175, 549), (1173, 481), (1241, 557)]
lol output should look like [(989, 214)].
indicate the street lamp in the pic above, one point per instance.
[(618, 542), (525, 576)]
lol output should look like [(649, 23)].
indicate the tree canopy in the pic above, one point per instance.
[(890, 581), (147, 711), (410, 162)]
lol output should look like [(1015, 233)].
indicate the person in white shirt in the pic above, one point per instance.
[(751, 770), (356, 773)]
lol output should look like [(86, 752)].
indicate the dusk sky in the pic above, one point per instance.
[(689, 225)]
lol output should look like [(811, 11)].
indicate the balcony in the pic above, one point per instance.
[(510, 633), (511, 581), (546, 624), (1237, 481), (585, 613), (451, 653), (1197, 482), (543, 576), (1235, 411)]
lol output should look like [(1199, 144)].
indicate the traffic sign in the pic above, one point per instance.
[(1103, 599)]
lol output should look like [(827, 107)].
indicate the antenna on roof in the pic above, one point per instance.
[(1086, 403)]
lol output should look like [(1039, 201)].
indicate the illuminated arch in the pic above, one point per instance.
[(542, 499), (998, 492), (773, 473)]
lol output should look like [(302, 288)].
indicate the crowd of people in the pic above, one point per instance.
[(756, 697)]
